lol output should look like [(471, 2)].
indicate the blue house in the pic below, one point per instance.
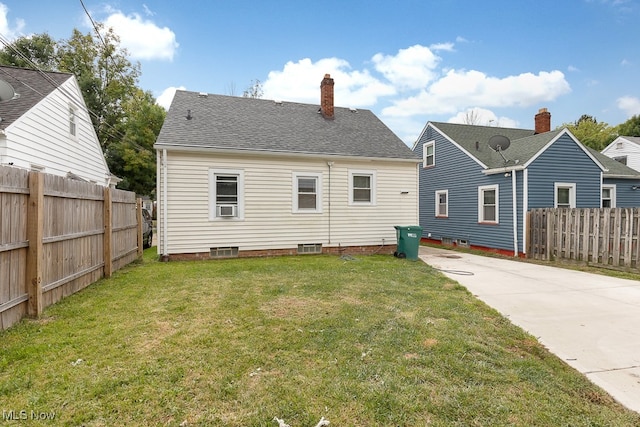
[(478, 182)]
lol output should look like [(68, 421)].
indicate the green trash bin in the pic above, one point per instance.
[(408, 238)]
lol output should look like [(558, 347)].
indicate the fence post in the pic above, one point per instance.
[(35, 231), (108, 232), (139, 220)]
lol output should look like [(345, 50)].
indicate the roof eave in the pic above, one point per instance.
[(226, 150)]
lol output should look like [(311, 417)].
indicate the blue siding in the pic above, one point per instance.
[(626, 197), (456, 172), (564, 161)]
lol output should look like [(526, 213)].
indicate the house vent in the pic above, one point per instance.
[(228, 252), (310, 248), (203, 95), (447, 241), (463, 243)]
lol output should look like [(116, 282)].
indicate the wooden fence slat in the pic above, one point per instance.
[(601, 236)]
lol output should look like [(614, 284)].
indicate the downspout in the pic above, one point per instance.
[(525, 208), (330, 166), (165, 253), (514, 194)]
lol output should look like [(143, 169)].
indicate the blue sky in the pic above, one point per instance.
[(409, 61)]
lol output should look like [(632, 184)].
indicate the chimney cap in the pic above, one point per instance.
[(543, 110), (327, 76)]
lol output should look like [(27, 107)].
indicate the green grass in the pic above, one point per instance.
[(375, 341)]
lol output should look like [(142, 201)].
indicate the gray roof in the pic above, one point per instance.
[(525, 144), (234, 123), (634, 139), (32, 86)]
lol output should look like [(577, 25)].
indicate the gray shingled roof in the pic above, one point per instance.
[(32, 86), (525, 144), (235, 123), (634, 139)]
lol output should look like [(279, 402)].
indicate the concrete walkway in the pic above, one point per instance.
[(592, 322)]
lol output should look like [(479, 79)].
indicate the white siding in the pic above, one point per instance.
[(624, 148), (41, 138), (269, 222)]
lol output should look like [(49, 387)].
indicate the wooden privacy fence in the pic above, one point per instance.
[(58, 236), (605, 237)]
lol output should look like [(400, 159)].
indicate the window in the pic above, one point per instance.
[(429, 154), (226, 197), (608, 196), (362, 188), (72, 121), (307, 193), (442, 203), (621, 159), (565, 195), (488, 204)]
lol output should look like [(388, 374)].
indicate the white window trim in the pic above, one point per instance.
[(612, 189), (424, 154), (212, 194), (437, 213), (369, 173), (572, 193), (73, 120), (294, 192), (481, 190)]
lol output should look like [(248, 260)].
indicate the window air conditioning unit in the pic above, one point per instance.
[(227, 210)]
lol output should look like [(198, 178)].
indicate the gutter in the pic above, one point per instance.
[(279, 153)]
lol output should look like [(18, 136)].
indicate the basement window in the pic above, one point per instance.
[(310, 248), (224, 252)]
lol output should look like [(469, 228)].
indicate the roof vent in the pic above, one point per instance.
[(278, 102), (203, 95), (353, 110)]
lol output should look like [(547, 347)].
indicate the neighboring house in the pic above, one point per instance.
[(45, 126), (477, 196), (626, 150), (251, 177)]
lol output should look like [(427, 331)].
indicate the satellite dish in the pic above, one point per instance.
[(7, 93), (499, 142)]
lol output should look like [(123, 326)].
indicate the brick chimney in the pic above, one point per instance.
[(543, 121), (326, 97)]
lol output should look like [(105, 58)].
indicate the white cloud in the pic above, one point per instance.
[(458, 90), (300, 82), (411, 68), (142, 38), (630, 105), (6, 29), (482, 117), (165, 98)]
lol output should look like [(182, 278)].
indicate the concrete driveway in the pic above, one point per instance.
[(592, 322)]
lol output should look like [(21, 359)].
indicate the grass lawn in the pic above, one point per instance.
[(375, 341)]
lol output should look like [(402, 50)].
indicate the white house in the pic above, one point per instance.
[(45, 126), (252, 177), (626, 150)]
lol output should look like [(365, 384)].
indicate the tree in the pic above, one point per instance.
[(105, 75), (630, 128), (253, 91), (132, 157), (37, 51), (590, 132)]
